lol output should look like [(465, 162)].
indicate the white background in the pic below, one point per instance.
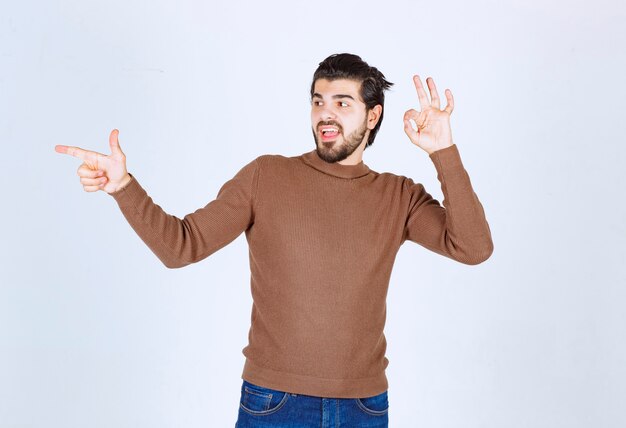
[(96, 332)]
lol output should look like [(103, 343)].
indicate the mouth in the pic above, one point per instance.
[(328, 133)]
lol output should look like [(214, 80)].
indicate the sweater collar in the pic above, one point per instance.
[(338, 170)]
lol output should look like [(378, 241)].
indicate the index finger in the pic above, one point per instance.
[(421, 93), (77, 152)]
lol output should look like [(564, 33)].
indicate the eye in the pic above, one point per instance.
[(317, 103), (343, 104)]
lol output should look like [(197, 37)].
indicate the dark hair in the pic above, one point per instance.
[(350, 66)]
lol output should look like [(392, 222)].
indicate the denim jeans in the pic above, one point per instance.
[(261, 407)]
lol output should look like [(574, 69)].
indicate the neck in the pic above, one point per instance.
[(336, 169)]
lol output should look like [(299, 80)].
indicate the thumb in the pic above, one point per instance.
[(114, 143)]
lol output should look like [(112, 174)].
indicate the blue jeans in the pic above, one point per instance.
[(261, 407)]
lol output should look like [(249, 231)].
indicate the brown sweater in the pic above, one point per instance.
[(322, 242)]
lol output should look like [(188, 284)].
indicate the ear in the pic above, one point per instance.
[(374, 115)]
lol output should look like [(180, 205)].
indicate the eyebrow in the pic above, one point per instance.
[(316, 95)]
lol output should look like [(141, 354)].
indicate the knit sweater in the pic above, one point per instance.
[(322, 241)]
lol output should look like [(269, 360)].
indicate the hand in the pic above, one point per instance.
[(98, 171), (433, 125)]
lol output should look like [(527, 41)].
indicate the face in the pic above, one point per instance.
[(338, 119)]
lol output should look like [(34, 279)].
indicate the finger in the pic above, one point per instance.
[(410, 132), (408, 128), (450, 100), (434, 96), (86, 155), (91, 188), (416, 116), (72, 151), (114, 142), (93, 181), (421, 93), (85, 171)]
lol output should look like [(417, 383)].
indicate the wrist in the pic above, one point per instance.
[(440, 147), (123, 182)]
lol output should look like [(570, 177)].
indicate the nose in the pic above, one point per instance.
[(328, 114)]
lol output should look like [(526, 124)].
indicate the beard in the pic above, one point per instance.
[(332, 152)]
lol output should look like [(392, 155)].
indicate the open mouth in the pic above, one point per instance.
[(329, 133)]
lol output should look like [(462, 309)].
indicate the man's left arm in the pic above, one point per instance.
[(458, 229)]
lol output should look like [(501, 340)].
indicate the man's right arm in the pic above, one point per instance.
[(179, 242), (175, 242)]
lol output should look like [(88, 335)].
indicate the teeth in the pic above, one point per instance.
[(329, 130)]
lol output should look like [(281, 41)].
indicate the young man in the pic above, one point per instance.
[(323, 231)]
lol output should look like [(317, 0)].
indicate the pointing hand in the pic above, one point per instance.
[(98, 171)]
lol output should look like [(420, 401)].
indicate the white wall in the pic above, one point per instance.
[(94, 331)]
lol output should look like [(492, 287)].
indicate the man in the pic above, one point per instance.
[(323, 231)]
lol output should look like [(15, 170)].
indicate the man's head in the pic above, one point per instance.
[(347, 94)]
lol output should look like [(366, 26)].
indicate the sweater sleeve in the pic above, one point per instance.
[(458, 229), (179, 242)]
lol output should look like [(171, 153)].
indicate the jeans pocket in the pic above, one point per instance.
[(376, 405), (258, 400)]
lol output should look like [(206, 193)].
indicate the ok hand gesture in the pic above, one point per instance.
[(433, 125), (98, 171)]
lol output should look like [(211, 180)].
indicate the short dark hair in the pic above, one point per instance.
[(350, 66)]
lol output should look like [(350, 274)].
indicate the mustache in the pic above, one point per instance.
[(329, 123)]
